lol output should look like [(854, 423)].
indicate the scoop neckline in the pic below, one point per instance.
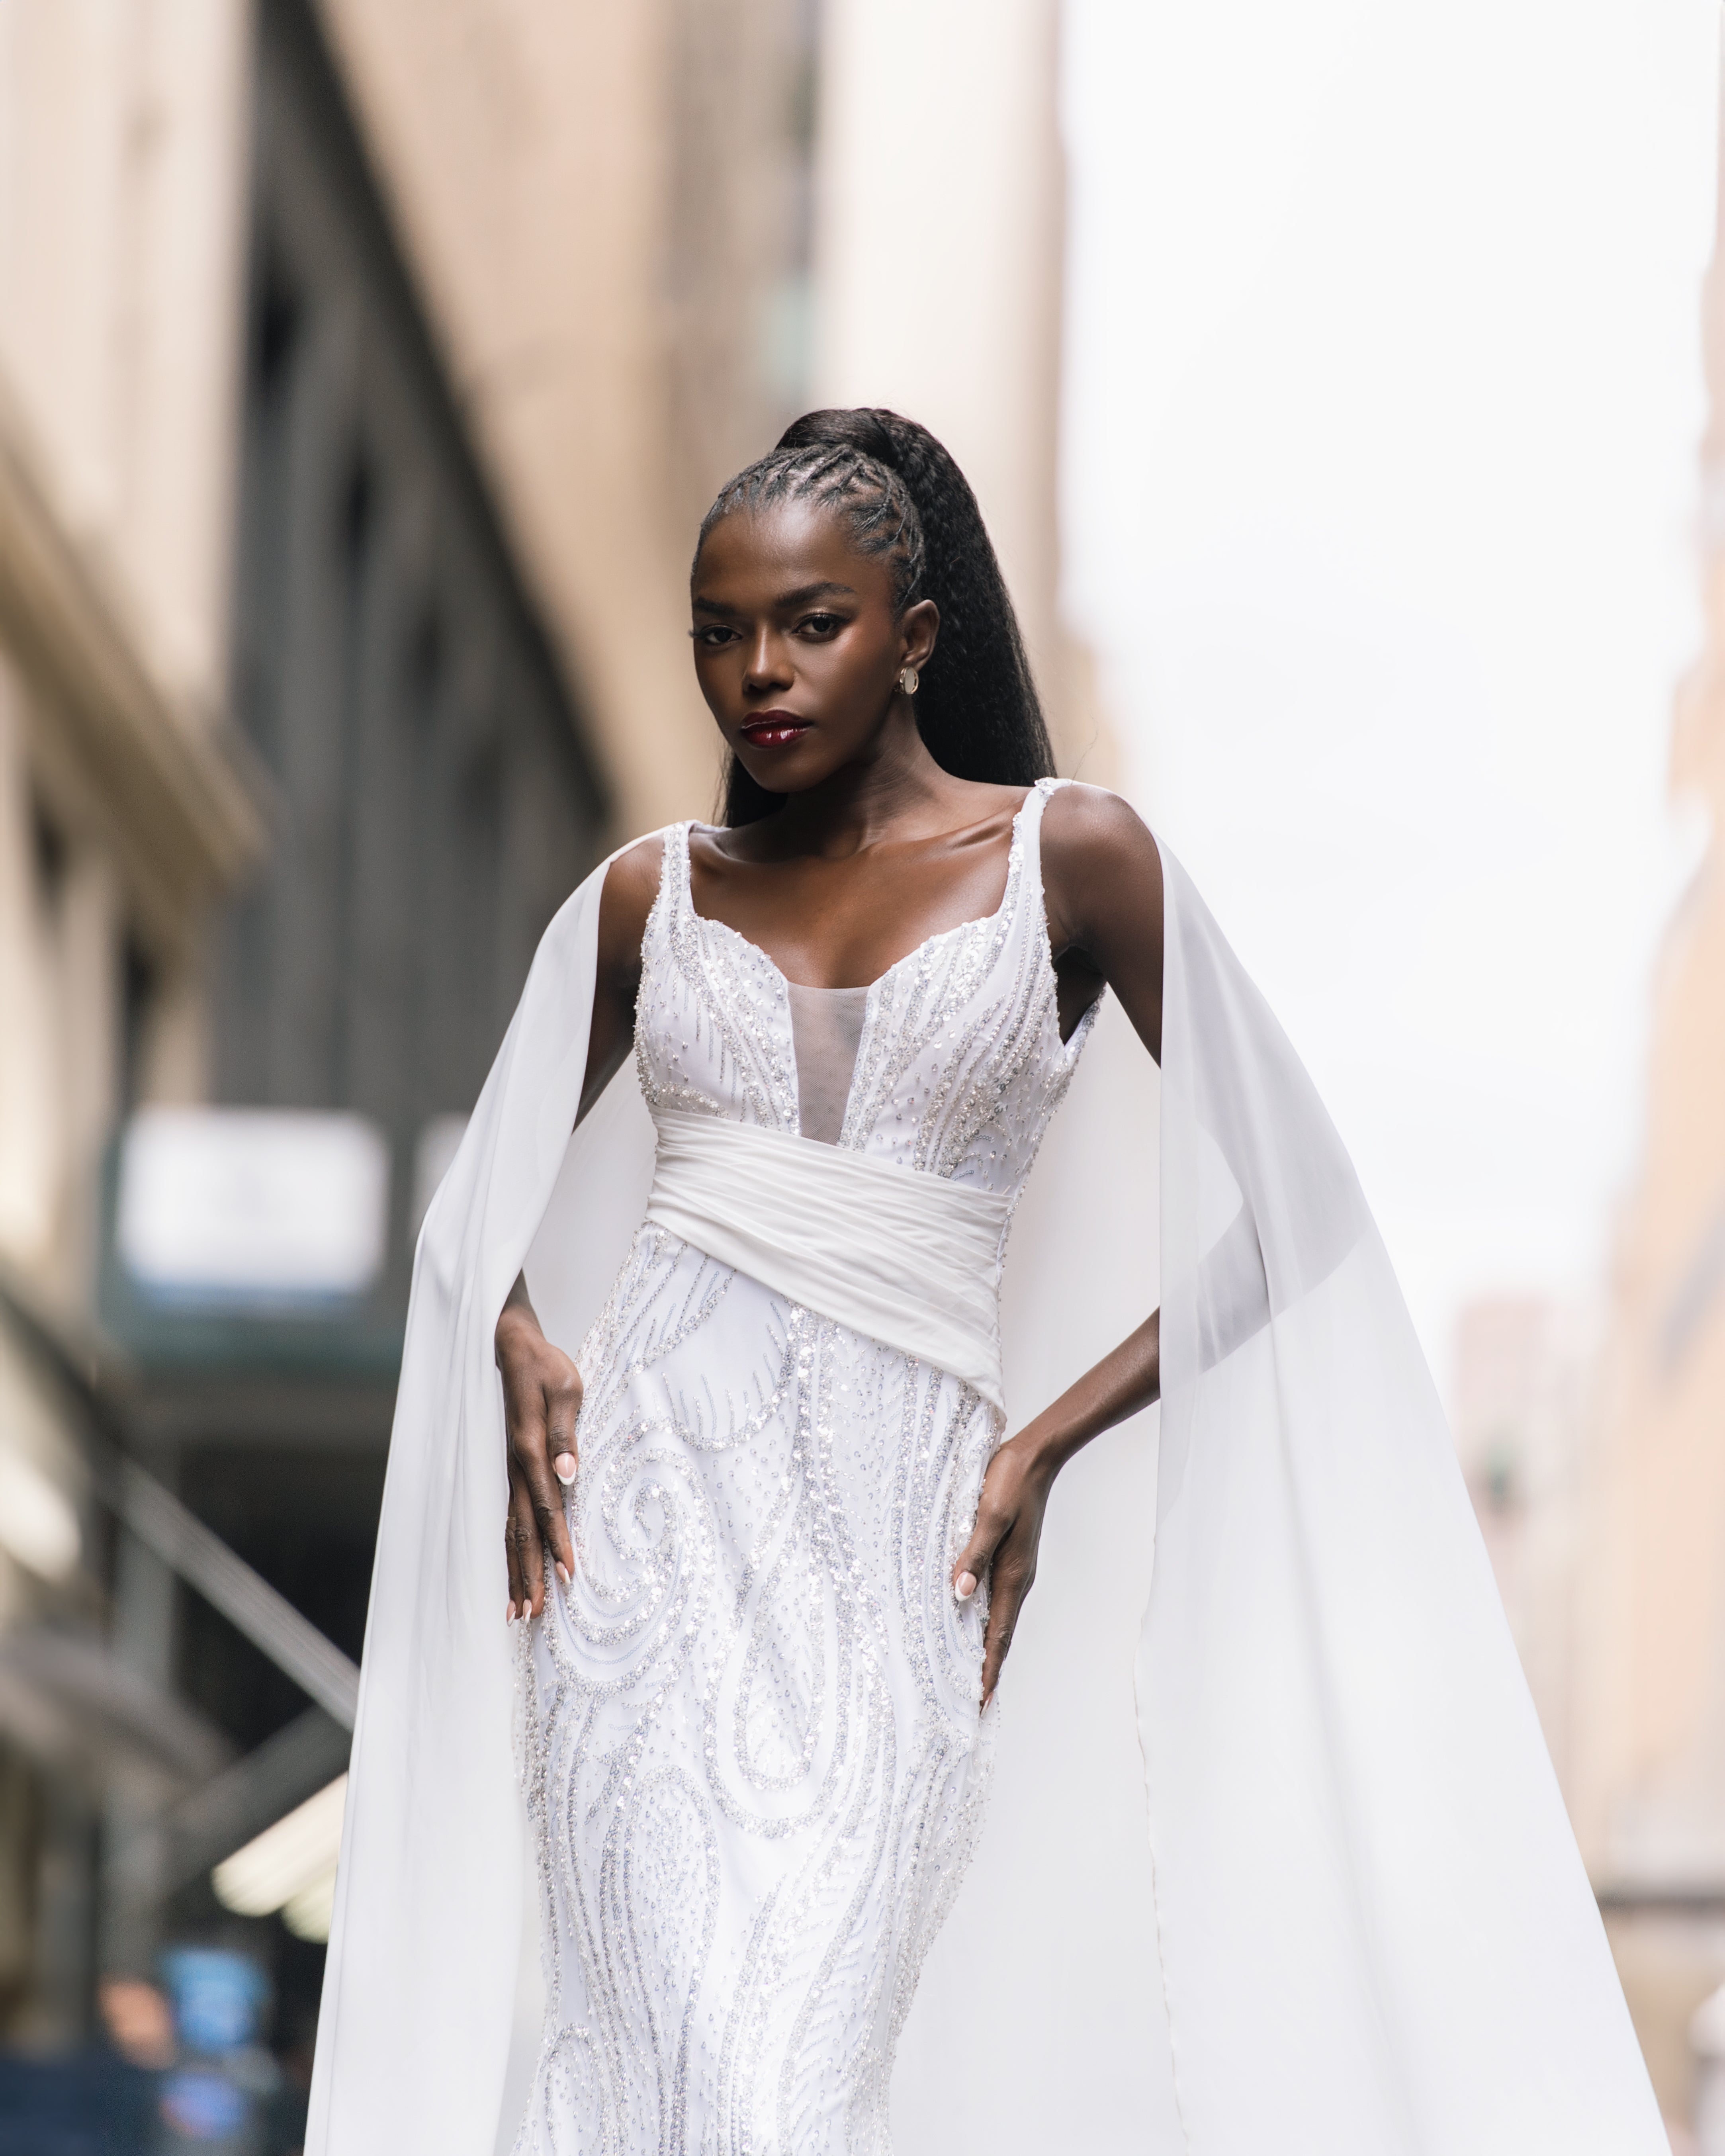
[(928, 942)]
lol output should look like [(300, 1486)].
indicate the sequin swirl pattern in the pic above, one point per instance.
[(755, 1763)]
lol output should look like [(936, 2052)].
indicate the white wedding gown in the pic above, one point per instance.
[(756, 1766), (1279, 1862)]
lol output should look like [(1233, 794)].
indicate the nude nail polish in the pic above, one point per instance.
[(562, 1571), (966, 1587), (563, 1467)]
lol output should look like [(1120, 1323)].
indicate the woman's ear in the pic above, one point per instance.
[(921, 627)]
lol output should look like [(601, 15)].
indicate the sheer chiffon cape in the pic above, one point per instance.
[(1276, 1858)]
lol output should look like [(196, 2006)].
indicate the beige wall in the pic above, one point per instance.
[(1647, 1779), (122, 226), (1653, 1794), (602, 264), (618, 365), (122, 194), (599, 201), (939, 259), (122, 159), (1521, 1406)]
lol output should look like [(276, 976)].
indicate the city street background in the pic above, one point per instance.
[(1345, 390)]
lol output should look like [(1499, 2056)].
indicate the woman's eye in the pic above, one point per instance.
[(821, 624), (711, 637)]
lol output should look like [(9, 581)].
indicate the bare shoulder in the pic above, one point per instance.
[(631, 885), (1082, 819), (634, 875), (1102, 880), (1100, 868)]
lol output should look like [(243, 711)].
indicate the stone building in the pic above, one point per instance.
[(362, 368), (1647, 1776), (124, 815), (1521, 1408), (365, 367), (939, 260)]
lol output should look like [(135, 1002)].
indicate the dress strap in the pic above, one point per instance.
[(672, 900), (675, 896), (1027, 839), (675, 876)]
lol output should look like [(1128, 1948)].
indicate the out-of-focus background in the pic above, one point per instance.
[(1346, 392)]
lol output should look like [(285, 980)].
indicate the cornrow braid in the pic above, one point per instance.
[(870, 496), (903, 496)]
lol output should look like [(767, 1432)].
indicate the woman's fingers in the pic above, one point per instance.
[(558, 1404), (1015, 1572), (517, 1586), (563, 1407), (986, 1536), (528, 1549), (1002, 1549), (537, 1512), (541, 1399)]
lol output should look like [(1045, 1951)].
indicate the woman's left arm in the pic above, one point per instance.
[(1102, 884)]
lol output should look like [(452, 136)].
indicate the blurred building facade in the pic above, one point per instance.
[(609, 209), (1646, 1781), (346, 485), (365, 367), (1521, 1408), (939, 254), (123, 817)]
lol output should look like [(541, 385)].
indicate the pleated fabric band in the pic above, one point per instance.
[(905, 1258)]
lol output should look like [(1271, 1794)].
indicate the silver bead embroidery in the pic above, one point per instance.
[(751, 1743)]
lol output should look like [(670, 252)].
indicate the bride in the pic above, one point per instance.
[(770, 1528)]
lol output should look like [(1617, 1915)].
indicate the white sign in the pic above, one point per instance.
[(249, 1205)]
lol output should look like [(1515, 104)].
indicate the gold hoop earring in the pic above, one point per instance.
[(908, 679)]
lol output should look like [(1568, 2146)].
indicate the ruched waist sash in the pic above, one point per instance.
[(907, 1259)]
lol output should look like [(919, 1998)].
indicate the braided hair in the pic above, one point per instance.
[(905, 499)]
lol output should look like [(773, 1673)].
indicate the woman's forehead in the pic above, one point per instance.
[(800, 540)]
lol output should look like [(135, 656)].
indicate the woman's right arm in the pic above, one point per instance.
[(541, 1386)]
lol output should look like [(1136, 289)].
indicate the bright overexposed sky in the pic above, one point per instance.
[(1381, 399)]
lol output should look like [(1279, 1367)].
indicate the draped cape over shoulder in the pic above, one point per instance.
[(1338, 1911)]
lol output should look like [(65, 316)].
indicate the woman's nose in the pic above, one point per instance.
[(766, 667)]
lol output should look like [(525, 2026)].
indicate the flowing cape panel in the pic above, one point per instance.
[(1377, 1936), (419, 1986), (1357, 1924)]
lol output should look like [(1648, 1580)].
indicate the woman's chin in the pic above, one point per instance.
[(791, 769)]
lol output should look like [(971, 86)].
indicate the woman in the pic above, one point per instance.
[(768, 1536)]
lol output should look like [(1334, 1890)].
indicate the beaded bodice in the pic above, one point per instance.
[(757, 1761), (960, 1063)]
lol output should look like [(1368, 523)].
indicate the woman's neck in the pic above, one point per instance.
[(897, 791)]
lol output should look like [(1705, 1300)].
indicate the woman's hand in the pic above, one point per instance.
[(1003, 1543), (1009, 1513), (541, 1398)]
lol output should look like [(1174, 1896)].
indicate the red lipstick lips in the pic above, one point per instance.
[(774, 730)]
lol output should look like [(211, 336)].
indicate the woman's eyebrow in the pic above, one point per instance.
[(801, 597), (804, 593)]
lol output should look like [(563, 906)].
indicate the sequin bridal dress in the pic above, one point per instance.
[(1311, 1889), (756, 1765)]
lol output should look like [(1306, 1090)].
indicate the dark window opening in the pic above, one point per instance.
[(50, 853), (139, 982)]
